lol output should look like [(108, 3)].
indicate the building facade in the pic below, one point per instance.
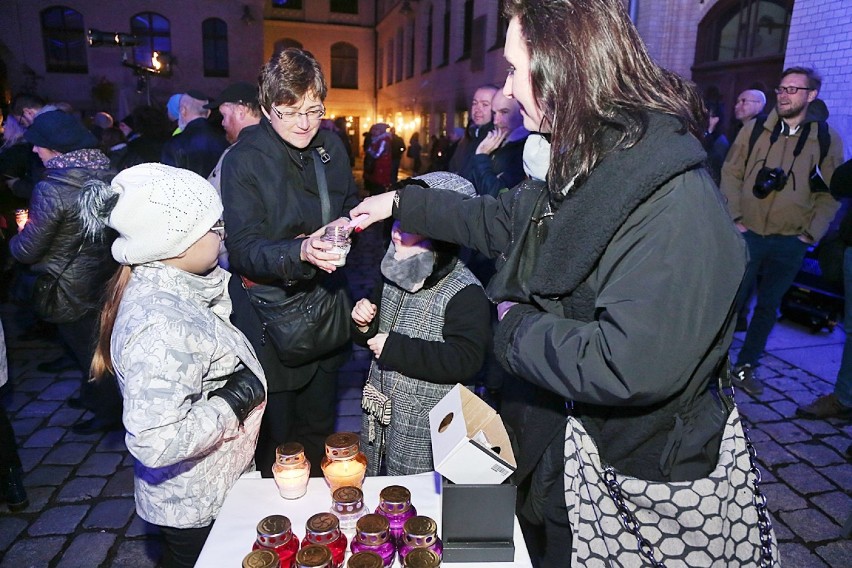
[(43, 49)]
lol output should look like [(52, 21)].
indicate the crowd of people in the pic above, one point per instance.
[(552, 258)]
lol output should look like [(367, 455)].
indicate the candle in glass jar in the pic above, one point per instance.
[(344, 464), (291, 470), (21, 217)]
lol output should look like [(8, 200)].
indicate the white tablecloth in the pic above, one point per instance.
[(251, 500)]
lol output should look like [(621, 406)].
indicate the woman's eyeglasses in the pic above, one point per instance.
[(291, 116)]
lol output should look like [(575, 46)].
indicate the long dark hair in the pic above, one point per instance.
[(591, 76)]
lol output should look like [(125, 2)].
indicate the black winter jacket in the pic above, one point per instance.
[(197, 148), (271, 201), (53, 235), (630, 286)]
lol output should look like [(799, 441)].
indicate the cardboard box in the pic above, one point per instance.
[(477, 522), (469, 442)]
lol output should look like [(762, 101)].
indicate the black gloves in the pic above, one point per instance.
[(243, 392)]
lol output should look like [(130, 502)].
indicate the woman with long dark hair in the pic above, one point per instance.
[(615, 277)]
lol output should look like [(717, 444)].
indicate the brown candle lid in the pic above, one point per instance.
[(261, 559), (372, 529), (322, 524), (395, 495), (274, 527), (421, 558), (348, 499), (290, 453), (420, 526), (313, 556), (365, 559), (341, 445)]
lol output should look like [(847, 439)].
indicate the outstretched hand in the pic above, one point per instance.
[(372, 210)]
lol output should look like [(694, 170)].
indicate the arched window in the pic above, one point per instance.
[(214, 37), (64, 40), (344, 6), (154, 34), (744, 29), (283, 44), (344, 66)]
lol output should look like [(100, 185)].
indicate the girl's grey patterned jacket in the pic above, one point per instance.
[(172, 344)]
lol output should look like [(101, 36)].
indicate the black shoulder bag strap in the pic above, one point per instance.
[(322, 184)]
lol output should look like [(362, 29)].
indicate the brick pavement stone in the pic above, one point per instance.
[(100, 463), (59, 520), (785, 432), (87, 550), (39, 408), (81, 489), (837, 505), (838, 553), (839, 474), (35, 385), (31, 457), (47, 475), (758, 413), (782, 532), (26, 426), (34, 552), (15, 401), (780, 498), (804, 479), (68, 453), (10, 528), (797, 556), (120, 484), (45, 438), (818, 427), (111, 514), (137, 553), (39, 498), (66, 417), (785, 408), (771, 454), (839, 443), (112, 442), (811, 525), (60, 390), (140, 527), (816, 453)]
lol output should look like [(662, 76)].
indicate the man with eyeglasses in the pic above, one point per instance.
[(273, 210), (776, 184), (749, 104)]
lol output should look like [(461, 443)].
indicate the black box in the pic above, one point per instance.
[(478, 522)]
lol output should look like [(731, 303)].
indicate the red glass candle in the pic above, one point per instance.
[(274, 533), (324, 528)]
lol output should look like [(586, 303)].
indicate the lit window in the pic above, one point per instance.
[(154, 34), (344, 66), (64, 40)]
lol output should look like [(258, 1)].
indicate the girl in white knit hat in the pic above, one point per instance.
[(193, 389)]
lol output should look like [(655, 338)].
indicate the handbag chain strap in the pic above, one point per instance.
[(764, 523)]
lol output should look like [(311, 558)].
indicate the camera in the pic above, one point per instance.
[(767, 181)]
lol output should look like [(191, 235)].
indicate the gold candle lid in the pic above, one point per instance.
[(397, 497), (421, 558), (322, 524), (261, 559), (372, 529), (341, 445), (273, 528), (420, 527), (348, 499), (313, 556), (290, 453), (365, 559)]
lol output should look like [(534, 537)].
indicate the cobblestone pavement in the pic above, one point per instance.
[(81, 511)]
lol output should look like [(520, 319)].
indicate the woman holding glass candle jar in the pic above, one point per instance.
[(274, 215), (428, 328), (51, 241)]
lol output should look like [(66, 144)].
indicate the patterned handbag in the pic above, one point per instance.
[(377, 405), (720, 520)]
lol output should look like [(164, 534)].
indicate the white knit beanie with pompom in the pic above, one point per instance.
[(161, 211)]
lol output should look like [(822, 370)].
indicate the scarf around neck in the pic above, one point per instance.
[(90, 158)]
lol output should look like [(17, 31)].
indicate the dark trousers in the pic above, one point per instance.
[(8, 445), (305, 415), (102, 397), (181, 547), (777, 258)]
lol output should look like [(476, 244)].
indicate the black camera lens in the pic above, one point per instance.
[(767, 181)]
